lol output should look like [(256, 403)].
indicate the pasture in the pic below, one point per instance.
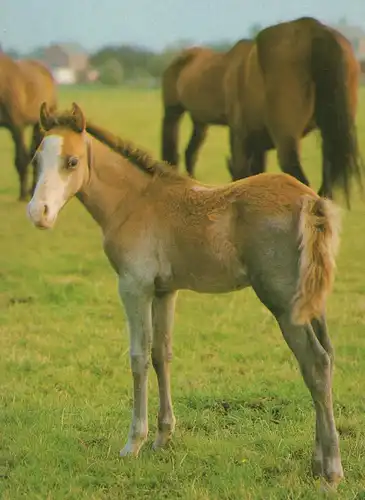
[(244, 417)]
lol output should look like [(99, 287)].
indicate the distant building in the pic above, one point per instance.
[(68, 62)]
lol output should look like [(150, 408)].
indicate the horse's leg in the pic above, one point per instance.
[(170, 133), (288, 157), (138, 308), (326, 188), (289, 109), (163, 309), (258, 161), (21, 159), (197, 138), (238, 165), (316, 367), (37, 137)]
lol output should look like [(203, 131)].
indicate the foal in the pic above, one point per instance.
[(164, 232)]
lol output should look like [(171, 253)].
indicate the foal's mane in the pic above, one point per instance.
[(138, 157)]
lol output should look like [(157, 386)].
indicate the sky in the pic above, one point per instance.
[(27, 24)]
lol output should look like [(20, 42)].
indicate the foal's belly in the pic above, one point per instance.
[(205, 278)]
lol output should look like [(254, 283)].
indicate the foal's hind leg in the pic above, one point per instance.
[(163, 309), (196, 141), (316, 367), (320, 330), (274, 276)]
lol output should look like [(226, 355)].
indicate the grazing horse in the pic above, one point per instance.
[(24, 85), (164, 232), (194, 82), (293, 78)]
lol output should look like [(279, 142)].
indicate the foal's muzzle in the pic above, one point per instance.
[(39, 214)]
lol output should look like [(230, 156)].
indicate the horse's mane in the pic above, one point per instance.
[(138, 157)]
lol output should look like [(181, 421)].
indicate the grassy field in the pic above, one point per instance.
[(245, 418)]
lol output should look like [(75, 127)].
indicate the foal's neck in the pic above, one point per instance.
[(113, 185)]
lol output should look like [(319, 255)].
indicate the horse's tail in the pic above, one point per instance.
[(335, 73), (319, 227), (173, 110)]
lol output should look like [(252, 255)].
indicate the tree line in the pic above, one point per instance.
[(121, 64), (126, 63)]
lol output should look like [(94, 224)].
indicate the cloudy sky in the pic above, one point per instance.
[(26, 24)]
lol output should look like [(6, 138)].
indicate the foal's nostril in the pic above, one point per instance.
[(45, 210)]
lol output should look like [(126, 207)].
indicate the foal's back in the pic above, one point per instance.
[(215, 237)]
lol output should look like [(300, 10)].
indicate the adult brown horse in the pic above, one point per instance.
[(294, 77), (24, 85), (195, 82)]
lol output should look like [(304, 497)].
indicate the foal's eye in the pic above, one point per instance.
[(72, 162)]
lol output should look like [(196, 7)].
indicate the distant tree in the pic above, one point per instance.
[(37, 53), (221, 46), (155, 65), (158, 62), (342, 21), (181, 44), (111, 72), (14, 54), (130, 57), (254, 29)]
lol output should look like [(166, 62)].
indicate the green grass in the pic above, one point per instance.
[(245, 419)]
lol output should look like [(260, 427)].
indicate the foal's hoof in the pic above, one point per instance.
[(330, 482), (164, 433), (317, 468), (328, 487), (131, 449), (161, 441)]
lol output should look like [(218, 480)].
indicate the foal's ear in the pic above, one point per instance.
[(45, 118), (78, 118)]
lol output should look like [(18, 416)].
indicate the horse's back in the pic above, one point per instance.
[(172, 72), (194, 81), (244, 88), (12, 91), (288, 48), (290, 57), (40, 86)]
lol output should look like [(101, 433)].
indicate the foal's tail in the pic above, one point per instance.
[(319, 228)]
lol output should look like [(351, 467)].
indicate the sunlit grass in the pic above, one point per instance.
[(245, 419)]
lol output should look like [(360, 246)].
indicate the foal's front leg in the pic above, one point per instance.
[(138, 308), (163, 310)]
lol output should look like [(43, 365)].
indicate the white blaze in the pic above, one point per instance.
[(51, 187)]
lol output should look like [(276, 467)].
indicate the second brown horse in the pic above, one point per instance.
[(293, 78), (24, 85)]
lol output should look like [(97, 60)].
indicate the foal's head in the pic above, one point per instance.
[(63, 163)]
